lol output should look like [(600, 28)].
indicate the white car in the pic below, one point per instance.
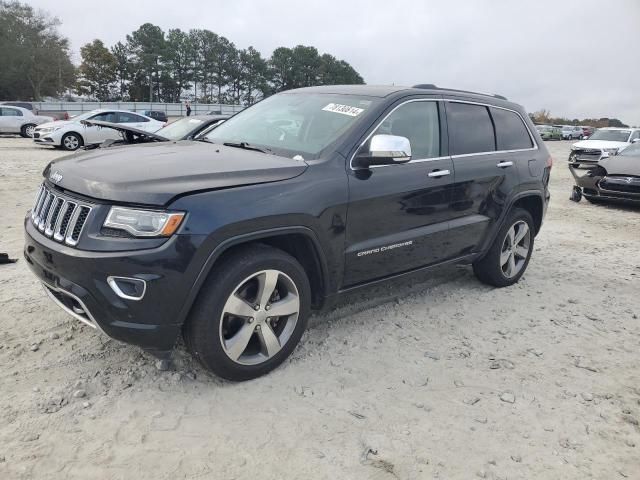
[(604, 142), (72, 134), (20, 120)]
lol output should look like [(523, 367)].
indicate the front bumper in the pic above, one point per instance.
[(605, 188), (77, 281)]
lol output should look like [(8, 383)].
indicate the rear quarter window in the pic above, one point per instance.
[(511, 132), (470, 129)]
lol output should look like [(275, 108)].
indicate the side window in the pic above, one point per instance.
[(11, 112), (126, 117), (105, 117), (470, 129), (635, 135), (420, 123), (511, 133)]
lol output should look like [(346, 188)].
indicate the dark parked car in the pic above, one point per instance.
[(156, 115), (613, 179), (232, 241), (187, 128)]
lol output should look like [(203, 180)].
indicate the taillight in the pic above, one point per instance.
[(550, 162), (66, 116)]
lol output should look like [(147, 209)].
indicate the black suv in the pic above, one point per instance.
[(232, 240)]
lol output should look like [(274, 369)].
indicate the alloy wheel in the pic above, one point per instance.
[(71, 142), (259, 317), (29, 130), (515, 249)]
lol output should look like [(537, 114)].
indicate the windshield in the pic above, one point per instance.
[(565, 129), (294, 124), (542, 128), (612, 135), (180, 128), (632, 150)]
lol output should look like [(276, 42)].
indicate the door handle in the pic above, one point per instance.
[(439, 173), (504, 164)]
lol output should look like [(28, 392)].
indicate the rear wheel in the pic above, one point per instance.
[(27, 130), (508, 257), (71, 142), (250, 314)]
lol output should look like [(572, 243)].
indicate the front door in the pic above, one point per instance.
[(398, 215)]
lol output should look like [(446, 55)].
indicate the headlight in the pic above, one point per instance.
[(46, 130), (611, 151), (144, 223)]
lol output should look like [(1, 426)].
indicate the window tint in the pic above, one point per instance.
[(511, 133), (470, 129), (105, 117), (126, 117), (419, 122), (11, 112)]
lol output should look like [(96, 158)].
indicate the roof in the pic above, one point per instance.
[(386, 90)]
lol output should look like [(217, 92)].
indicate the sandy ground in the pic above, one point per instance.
[(437, 376)]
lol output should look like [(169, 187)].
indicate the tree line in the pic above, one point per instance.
[(151, 64), (544, 117)]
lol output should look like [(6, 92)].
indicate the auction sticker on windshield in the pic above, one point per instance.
[(343, 109)]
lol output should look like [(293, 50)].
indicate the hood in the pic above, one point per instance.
[(599, 144), (124, 129), (622, 165), (154, 173), (54, 123)]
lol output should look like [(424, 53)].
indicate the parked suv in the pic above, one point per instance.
[(233, 240)]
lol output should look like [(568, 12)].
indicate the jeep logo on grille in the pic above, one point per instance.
[(55, 177)]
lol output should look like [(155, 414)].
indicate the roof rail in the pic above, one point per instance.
[(431, 86)]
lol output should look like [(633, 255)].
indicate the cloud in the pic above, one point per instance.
[(577, 59)]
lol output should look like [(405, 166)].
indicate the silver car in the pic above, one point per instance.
[(571, 132), (20, 120)]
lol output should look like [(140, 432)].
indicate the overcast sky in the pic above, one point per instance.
[(577, 58)]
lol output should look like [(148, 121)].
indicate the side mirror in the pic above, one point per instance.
[(635, 140), (384, 150), (586, 137)]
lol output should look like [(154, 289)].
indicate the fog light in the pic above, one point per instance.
[(128, 288)]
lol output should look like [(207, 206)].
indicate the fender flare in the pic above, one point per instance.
[(223, 246), (491, 238)]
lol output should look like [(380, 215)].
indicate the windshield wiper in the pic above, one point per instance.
[(243, 145)]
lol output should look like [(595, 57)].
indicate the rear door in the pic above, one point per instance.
[(11, 120), (134, 120), (398, 215), (486, 170)]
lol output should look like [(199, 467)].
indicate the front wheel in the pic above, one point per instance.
[(71, 142), (250, 314), (508, 257)]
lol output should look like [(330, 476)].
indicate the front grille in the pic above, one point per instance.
[(588, 154), (621, 184), (58, 216)]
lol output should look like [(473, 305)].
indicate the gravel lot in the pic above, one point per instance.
[(437, 376)]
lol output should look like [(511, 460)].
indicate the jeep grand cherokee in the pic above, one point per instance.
[(233, 240)]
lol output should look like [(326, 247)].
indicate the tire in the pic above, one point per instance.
[(71, 142), (27, 130), (576, 194), (492, 268), (215, 337)]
